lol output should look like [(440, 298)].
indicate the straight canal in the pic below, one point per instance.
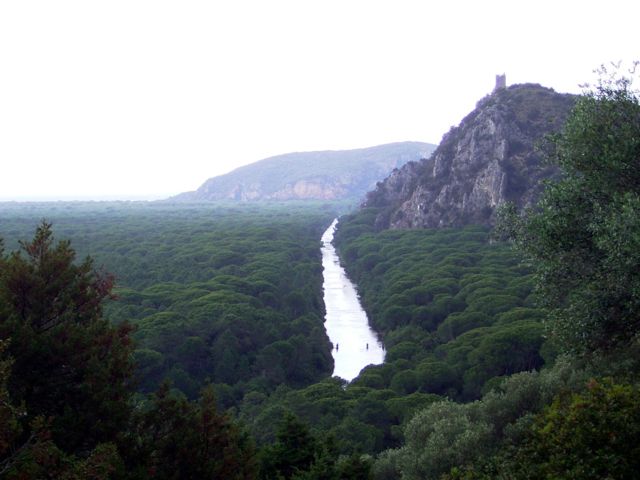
[(355, 344)]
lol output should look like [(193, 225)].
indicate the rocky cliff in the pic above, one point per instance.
[(327, 175), (490, 158)]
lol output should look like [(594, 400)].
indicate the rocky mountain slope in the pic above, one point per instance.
[(490, 158), (325, 175)]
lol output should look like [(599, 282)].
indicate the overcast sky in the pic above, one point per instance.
[(150, 98)]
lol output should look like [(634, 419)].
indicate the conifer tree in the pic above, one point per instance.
[(70, 365)]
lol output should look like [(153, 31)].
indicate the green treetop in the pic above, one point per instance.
[(583, 238)]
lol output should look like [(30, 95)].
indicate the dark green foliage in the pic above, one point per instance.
[(436, 376), (582, 243), (354, 467), (503, 351), (64, 371), (447, 435), (10, 427), (233, 296), (175, 439), (361, 416), (69, 363), (453, 310), (229, 295), (592, 435), (449, 302), (298, 454), (66, 393), (292, 452), (583, 239), (249, 321)]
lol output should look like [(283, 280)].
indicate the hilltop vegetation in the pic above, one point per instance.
[(327, 175)]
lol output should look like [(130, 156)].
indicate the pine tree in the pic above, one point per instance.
[(69, 364)]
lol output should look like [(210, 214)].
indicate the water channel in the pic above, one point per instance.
[(355, 344)]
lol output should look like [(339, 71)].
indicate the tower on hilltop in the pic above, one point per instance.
[(501, 82)]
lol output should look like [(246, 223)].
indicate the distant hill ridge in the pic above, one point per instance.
[(490, 158), (322, 175)]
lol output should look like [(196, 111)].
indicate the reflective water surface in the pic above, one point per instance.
[(355, 345)]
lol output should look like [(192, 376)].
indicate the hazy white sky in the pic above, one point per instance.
[(151, 98)]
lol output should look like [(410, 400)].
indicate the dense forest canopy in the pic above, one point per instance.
[(66, 377), (202, 354), (577, 418), (226, 295)]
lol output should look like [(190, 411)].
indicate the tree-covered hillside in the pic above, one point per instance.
[(324, 175)]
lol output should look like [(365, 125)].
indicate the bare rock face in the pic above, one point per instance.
[(490, 158)]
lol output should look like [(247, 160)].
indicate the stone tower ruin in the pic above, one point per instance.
[(501, 82)]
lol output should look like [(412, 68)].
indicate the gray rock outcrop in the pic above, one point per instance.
[(490, 158)]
